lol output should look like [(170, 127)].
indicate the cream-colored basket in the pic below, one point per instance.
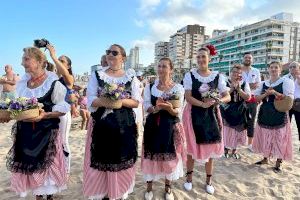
[(112, 104), (28, 114), (175, 103), (284, 104), (4, 114)]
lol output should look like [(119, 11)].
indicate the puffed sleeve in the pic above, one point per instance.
[(136, 90), (222, 84), (180, 91), (288, 87), (91, 92), (258, 90), (147, 97), (247, 89), (58, 98), (187, 81)]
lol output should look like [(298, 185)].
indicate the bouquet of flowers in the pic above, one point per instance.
[(208, 93), (4, 105), (172, 97), (111, 95), (24, 108)]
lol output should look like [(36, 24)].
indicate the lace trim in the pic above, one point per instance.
[(279, 81), (159, 156), (202, 79), (128, 76), (239, 128), (113, 167), (157, 93), (24, 91), (17, 167), (178, 140), (273, 127)]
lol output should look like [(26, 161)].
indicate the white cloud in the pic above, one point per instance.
[(139, 23), (147, 6), (166, 17)]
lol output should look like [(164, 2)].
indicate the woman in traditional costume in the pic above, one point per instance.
[(201, 117), (273, 136), (163, 143), (111, 146)]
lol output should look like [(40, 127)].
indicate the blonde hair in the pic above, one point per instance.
[(36, 54), (294, 63)]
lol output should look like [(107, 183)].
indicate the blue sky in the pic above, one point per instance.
[(84, 29)]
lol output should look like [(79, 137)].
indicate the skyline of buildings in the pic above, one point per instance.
[(275, 38)]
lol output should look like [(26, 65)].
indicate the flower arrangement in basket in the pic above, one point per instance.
[(112, 94), (24, 108), (173, 98), (4, 105), (208, 93)]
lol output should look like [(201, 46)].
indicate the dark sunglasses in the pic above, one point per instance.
[(114, 53)]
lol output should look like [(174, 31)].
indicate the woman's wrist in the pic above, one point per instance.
[(200, 104)]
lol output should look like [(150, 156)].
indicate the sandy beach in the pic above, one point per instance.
[(233, 179)]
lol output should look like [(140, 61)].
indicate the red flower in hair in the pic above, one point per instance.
[(212, 49)]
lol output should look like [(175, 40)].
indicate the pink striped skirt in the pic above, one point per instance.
[(275, 143), (50, 181), (200, 152), (171, 170), (98, 184), (234, 138)]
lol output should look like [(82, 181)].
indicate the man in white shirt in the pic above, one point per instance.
[(294, 74), (251, 76)]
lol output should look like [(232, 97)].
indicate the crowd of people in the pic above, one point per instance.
[(213, 116)]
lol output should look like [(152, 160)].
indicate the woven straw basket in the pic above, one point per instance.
[(112, 104), (4, 114), (175, 103), (284, 104), (28, 114)]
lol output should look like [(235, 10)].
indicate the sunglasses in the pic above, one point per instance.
[(114, 53)]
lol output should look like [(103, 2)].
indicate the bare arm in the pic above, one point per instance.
[(190, 99), (61, 69)]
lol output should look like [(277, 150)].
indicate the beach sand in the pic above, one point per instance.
[(233, 179)]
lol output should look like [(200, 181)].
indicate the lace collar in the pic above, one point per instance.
[(128, 76), (24, 91), (279, 81), (204, 79), (157, 93)]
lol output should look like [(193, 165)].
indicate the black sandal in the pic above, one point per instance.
[(262, 162), (38, 197), (277, 168), (50, 197), (187, 174)]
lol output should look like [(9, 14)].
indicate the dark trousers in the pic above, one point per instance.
[(252, 111), (297, 118)]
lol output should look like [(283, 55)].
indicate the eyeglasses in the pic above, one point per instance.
[(293, 66), (114, 53)]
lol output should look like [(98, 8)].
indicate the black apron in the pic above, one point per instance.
[(205, 123), (114, 137), (159, 135), (268, 116), (235, 112), (34, 146)]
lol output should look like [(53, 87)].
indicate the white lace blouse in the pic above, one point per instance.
[(92, 88), (187, 80), (58, 94), (158, 93), (287, 86)]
